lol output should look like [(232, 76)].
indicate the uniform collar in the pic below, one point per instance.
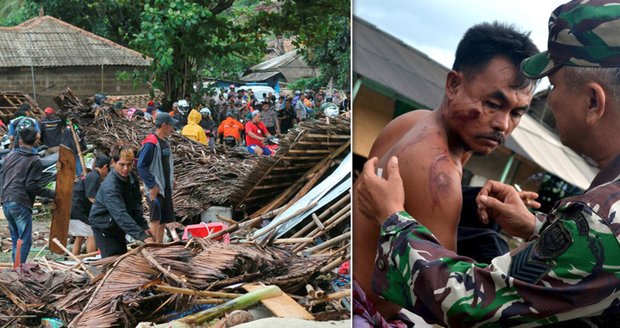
[(610, 173)]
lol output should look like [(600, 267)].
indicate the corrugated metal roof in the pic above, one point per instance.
[(389, 62), (386, 60), (275, 63), (258, 76), (49, 42), (533, 141)]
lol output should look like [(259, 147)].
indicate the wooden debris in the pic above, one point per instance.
[(282, 306)]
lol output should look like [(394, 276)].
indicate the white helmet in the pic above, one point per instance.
[(205, 111), (183, 106)]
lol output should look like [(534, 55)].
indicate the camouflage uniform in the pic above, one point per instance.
[(570, 270)]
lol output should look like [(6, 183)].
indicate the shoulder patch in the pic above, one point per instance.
[(553, 241)]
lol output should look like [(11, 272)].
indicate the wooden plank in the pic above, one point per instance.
[(303, 158), (61, 213), (293, 167), (310, 151), (329, 136), (282, 306)]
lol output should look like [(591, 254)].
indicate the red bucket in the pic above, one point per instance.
[(202, 230)]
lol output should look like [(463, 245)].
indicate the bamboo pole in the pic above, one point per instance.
[(334, 296), (293, 240), (335, 263), (313, 179), (327, 243), (64, 249), (238, 303), (329, 224), (330, 136), (302, 158), (227, 220), (317, 222), (330, 210), (309, 151), (77, 146), (319, 293), (234, 228), (209, 301)]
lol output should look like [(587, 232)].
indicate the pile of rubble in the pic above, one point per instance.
[(296, 239)]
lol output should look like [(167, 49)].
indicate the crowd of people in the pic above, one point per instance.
[(107, 201), (226, 116)]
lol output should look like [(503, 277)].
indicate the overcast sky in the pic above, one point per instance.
[(436, 26)]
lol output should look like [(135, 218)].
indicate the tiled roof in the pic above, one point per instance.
[(49, 42)]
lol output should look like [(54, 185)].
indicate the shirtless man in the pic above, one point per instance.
[(485, 97)]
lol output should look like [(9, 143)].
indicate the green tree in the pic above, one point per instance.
[(321, 28), (182, 35)]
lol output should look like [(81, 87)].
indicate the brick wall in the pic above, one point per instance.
[(83, 81)]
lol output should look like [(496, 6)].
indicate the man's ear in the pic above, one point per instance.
[(453, 83), (597, 102)]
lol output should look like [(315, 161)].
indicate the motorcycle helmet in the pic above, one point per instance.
[(205, 111), (183, 106)]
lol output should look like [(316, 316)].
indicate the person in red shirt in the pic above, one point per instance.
[(256, 132)]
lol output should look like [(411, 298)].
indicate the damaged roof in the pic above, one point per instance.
[(46, 41)]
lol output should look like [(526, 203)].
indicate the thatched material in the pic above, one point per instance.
[(204, 176), (122, 296)]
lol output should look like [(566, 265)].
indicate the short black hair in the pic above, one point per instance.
[(24, 107), (27, 136), (101, 161), (485, 41)]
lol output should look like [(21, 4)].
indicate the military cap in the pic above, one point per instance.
[(581, 33)]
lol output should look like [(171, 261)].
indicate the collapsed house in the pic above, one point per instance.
[(291, 229)]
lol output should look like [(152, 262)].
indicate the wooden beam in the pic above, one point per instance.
[(61, 213), (302, 158), (310, 151), (330, 136)]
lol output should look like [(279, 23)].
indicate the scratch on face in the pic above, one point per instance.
[(466, 115), (440, 181)]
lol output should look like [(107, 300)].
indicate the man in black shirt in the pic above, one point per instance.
[(52, 128), (118, 209), (84, 193)]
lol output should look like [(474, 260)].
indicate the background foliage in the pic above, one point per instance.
[(189, 40)]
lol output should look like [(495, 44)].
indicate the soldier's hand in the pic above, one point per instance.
[(378, 198), (504, 204), (153, 193)]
